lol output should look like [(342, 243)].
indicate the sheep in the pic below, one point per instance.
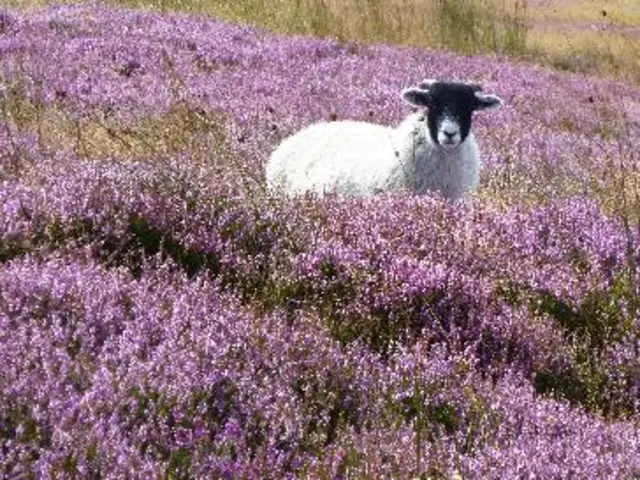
[(433, 151)]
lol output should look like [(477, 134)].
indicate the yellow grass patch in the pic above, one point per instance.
[(617, 12), (587, 50), (578, 35)]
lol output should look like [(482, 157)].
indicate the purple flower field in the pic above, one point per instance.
[(163, 316)]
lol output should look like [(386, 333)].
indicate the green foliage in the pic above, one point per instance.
[(179, 464), (414, 408), (584, 384), (599, 320), (220, 400), (444, 414), (564, 384), (153, 241), (70, 464), (343, 412), (10, 250), (602, 319)]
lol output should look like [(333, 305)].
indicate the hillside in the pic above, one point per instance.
[(163, 316)]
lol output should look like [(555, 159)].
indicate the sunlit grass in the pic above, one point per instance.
[(183, 129), (587, 51), (585, 37), (541, 33), (414, 22), (618, 13)]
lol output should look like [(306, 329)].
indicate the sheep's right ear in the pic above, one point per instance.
[(416, 97), (486, 102)]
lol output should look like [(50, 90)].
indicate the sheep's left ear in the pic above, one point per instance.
[(427, 83), (486, 102), (416, 97)]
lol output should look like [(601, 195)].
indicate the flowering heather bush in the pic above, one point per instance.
[(162, 316), (110, 375)]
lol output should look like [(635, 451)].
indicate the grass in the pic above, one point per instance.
[(535, 33), (578, 36), (587, 51), (618, 12), (184, 127)]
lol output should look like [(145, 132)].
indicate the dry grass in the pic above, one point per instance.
[(618, 12), (573, 36), (467, 25), (601, 38), (184, 129), (584, 51)]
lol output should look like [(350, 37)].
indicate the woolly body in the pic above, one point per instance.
[(358, 158)]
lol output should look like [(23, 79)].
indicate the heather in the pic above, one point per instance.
[(165, 316)]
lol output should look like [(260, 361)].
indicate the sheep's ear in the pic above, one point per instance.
[(486, 102), (476, 87), (416, 97), (427, 83)]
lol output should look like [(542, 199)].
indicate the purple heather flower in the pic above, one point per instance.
[(163, 316)]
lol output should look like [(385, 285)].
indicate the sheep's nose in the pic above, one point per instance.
[(450, 134)]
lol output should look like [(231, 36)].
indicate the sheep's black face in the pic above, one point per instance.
[(449, 109)]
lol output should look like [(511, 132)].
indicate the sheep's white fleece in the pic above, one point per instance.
[(358, 159)]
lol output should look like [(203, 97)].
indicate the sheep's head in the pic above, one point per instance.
[(449, 108)]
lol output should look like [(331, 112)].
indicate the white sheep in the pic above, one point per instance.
[(433, 151)]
